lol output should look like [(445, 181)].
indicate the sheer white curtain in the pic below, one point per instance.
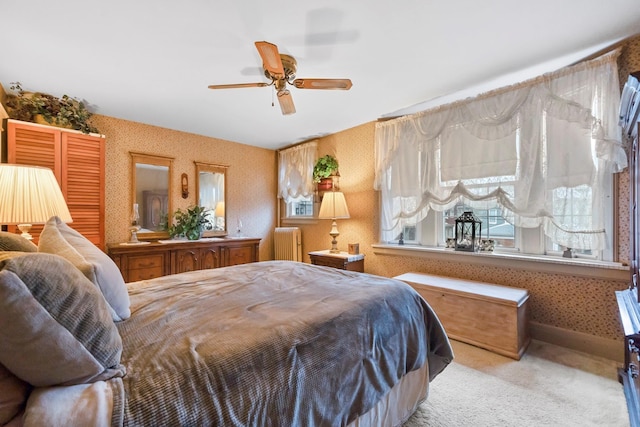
[(295, 171), (513, 149)]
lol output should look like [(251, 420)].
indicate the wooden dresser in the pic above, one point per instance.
[(155, 259)]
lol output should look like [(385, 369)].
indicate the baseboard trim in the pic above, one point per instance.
[(579, 341)]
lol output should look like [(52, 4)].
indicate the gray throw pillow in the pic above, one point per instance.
[(58, 238), (15, 242), (56, 326)]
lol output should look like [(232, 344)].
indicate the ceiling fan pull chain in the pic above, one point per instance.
[(273, 91)]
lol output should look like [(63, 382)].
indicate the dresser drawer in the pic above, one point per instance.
[(240, 255), (145, 274), (146, 261)]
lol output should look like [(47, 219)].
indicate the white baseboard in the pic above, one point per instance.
[(579, 341)]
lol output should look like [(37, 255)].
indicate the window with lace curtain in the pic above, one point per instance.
[(295, 179), (534, 161)]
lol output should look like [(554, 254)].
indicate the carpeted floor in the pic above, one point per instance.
[(549, 386)]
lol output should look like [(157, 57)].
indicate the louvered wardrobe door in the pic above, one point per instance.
[(77, 161), (83, 183), (35, 145)]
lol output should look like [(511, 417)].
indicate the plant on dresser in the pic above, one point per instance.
[(189, 223)]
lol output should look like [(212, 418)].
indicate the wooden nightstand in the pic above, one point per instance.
[(342, 260)]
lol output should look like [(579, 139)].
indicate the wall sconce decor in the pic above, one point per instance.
[(468, 232), (185, 185)]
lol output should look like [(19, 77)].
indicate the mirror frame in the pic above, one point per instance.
[(152, 159), (214, 168)]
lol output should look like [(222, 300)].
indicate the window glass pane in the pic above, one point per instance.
[(493, 225), (302, 207), (572, 208)]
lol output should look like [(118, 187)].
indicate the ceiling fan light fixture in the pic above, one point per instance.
[(281, 69)]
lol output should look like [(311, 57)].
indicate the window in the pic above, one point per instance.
[(295, 179), (301, 207), (534, 162)]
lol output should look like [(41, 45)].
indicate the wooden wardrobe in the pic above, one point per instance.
[(629, 299), (77, 161)]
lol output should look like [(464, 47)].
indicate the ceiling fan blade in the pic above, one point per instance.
[(238, 85), (271, 59), (342, 84), (286, 102)]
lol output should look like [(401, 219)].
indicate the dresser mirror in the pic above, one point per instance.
[(211, 180), (151, 191)]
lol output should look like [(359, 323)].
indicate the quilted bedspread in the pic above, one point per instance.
[(274, 343)]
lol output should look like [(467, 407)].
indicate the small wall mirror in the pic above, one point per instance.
[(151, 191), (211, 183)]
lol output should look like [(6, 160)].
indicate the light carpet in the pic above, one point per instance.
[(549, 386)]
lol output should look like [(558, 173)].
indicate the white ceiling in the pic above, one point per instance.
[(150, 61)]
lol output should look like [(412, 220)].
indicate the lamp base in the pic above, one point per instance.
[(25, 228), (334, 233), (134, 234)]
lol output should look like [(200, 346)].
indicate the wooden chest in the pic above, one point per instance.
[(485, 315)]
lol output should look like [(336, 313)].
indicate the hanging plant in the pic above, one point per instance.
[(66, 112), (325, 167)]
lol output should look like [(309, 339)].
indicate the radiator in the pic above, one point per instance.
[(288, 243)]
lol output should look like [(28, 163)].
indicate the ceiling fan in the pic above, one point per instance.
[(281, 70)]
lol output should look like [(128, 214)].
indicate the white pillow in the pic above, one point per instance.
[(58, 238)]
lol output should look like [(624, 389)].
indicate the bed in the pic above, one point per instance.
[(274, 343)]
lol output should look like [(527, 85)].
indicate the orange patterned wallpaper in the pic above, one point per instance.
[(251, 199), (570, 302)]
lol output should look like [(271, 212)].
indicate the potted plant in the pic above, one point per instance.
[(189, 223), (324, 168), (38, 107)]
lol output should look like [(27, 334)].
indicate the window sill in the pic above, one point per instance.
[(293, 221), (539, 263)]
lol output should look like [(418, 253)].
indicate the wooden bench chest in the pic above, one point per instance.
[(485, 315)]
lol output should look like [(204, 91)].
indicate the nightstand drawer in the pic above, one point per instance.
[(341, 260)]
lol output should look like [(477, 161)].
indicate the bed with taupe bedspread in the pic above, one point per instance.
[(274, 343)]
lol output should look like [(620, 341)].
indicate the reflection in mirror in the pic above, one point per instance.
[(151, 191), (210, 188)]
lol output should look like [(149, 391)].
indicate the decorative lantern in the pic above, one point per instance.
[(468, 232)]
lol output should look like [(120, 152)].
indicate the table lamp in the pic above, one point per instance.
[(30, 195), (333, 206)]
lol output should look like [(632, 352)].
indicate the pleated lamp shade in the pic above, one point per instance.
[(30, 195), (333, 206)]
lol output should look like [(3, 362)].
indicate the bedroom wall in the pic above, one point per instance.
[(583, 305), (249, 198)]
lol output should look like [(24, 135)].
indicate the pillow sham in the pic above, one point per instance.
[(56, 326), (58, 238), (13, 395), (15, 242)]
